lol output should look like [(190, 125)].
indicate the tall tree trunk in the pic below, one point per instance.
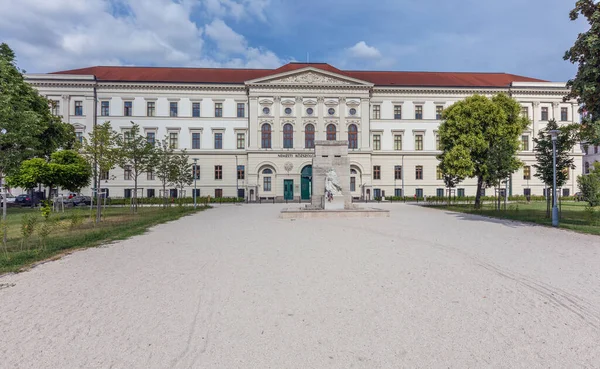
[(98, 199), (478, 194), (135, 185)]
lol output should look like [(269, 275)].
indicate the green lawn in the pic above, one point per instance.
[(75, 229), (573, 215)]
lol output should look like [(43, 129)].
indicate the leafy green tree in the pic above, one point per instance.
[(164, 167), (70, 170), (479, 138), (544, 168), (27, 127), (30, 174), (182, 171), (455, 165), (585, 87), (589, 185), (101, 151), (137, 153)]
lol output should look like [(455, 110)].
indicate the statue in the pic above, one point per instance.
[(332, 185)]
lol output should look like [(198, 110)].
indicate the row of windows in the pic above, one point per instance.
[(564, 113), (151, 109), (309, 111), (150, 176), (398, 112), (173, 140), (173, 192)]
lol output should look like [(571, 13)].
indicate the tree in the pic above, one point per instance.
[(164, 167), (137, 153), (101, 152), (544, 168), (479, 138), (182, 171), (455, 166), (70, 170), (585, 87), (31, 173), (589, 185), (27, 127)]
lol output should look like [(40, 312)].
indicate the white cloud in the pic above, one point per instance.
[(363, 51), (62, 34)]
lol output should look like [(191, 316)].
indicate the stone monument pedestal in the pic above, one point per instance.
[(337, 203)]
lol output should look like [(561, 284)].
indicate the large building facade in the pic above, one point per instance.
[(252, 131)]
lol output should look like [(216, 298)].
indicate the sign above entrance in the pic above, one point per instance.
[(296, 155)]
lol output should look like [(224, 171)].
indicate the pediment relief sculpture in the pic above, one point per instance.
[(311, 78)]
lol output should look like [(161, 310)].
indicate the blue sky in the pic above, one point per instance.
[(527, 37)]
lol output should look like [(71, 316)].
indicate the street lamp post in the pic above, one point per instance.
[(554, 134), (195, 177), (4, 200)]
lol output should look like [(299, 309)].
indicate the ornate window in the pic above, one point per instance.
[(397, 111), (376, 142), (418, 111), (218, 110), (241, 140), (419, 142), (376, 111), (331, 111), (266, 110), (241, 110), (309, 136), (352, 137), (267, 179), (173, 108), (288, 111), (331, 132), (218, 140), (288, 136), (196, 109), (265, 136), (352, 111), (78, 107), (150, 108), (309, 111), (398, 142)]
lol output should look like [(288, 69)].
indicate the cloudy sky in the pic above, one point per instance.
[(527, 37)]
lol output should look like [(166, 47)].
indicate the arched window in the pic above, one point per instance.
[(331, 136), (288, 136), (266, 136), (267, 179), (352, 137), (309, 136)]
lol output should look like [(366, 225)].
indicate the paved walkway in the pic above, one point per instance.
[(236, 287)]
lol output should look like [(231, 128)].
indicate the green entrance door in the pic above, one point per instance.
[(306, 182), (288, 189)]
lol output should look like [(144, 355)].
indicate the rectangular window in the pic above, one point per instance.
[(267, 184), (241, 172), (398, 192), (419, 193), (525, 111), (419, 142), (397, 111), (218, 110), (173, 140), (376, 111), (544, 113), (196, 192), (439, 175), (566, 192), (150, 176), (218, 193), (150, 192), (128, 176), (241, 140), (418, 111), (127, 193), (527, 191), (527, 172), (105, 108), (439, 192), (104, 175), (79, 137), (376, 142), (173, 193), (483, 192), (397, 142), (460, 192), (397, 171), (55, 107), (352, 184), (79, 108), (173, 108), (564, 114), (195, 171), (150, 108), (151, 137), (218, 140), (419, 172), (376, 172), (438, 112), (128, 108), (437, 142), (524, 142), (195, 140), (241, 110), (196, 109), (218, 172)]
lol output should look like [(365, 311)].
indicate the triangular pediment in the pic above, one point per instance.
[(309, 76)]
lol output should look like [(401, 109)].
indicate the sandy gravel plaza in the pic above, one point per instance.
[(236, 287)]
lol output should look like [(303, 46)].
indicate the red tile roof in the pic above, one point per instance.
[(239, 76)]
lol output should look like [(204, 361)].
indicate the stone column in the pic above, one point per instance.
[(342, 119), (365, 126), (299, 131), (66, 108), (253, 130), (276, 134), (322, 134)]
